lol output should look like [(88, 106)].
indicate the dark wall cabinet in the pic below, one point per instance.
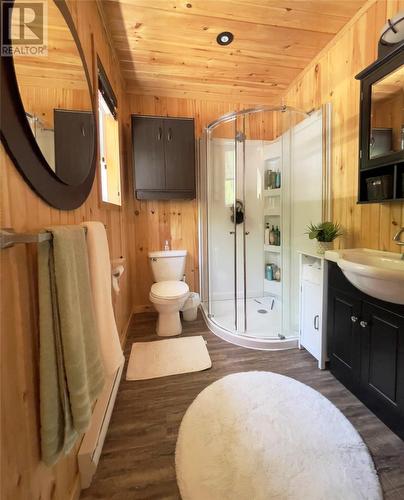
[(381, 139), (74, 145), (163, 157), (366, 348)]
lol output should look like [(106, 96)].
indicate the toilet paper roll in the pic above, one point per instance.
[(116, 275)]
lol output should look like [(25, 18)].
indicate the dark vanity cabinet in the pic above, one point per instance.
[(366, 348), (163, 157)]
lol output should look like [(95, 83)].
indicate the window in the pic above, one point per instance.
[(108, 131)]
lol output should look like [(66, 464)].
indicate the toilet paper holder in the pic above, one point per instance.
[(117, 270)]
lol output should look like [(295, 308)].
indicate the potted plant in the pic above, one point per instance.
[(325, 233)]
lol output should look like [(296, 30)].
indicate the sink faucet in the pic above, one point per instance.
[(397, 240)]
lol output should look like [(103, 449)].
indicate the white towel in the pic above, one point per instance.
[(100, 274)]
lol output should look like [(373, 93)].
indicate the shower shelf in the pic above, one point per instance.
[(273, 192), (273, 287), (272, 248), (272, 213)]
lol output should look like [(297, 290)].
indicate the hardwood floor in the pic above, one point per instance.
[(138, 455)]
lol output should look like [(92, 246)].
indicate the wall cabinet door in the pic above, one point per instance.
[(344, 335), (311, 318), (382, 358), (179, 154), (74, 140), (164, 158), (148, 153)]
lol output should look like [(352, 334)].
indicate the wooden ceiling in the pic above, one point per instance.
[(61, 67), (389, 86), (168, 47)]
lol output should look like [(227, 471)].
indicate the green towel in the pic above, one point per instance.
[(71, 370)]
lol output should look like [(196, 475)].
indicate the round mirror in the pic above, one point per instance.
[(49, 126), (57, 100)]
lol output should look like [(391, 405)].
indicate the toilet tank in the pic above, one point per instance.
[(168, 265)]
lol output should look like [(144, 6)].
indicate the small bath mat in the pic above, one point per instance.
[(167, 357)]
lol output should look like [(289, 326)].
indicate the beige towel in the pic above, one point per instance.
[(100, 273), (71, 371)]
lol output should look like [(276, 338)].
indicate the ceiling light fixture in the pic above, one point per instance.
[(392, 35), (225, 38)]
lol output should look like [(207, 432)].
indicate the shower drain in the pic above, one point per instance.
[(262, 311)]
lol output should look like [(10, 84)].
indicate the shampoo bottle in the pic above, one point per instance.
[(267, 179), (266, 234), (272, 236), (277, 236), (278, 179), (268, 272)]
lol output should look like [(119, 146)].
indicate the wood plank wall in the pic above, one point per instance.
[(23, 476), (175, 221), (142, 226), (330, 78)]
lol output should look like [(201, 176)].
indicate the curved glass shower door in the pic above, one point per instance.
[(246, 225), (221, 206)]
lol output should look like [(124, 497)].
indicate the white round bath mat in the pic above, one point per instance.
[(263, 436)]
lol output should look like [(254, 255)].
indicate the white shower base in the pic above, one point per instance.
[(259, 324), (263, 329)]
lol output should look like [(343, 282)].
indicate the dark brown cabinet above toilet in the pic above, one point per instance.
[(163, 158)]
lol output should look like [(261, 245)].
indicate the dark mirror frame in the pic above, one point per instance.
[(20, 143), (368, 77)]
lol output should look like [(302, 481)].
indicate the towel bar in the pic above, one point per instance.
[(9, 238)]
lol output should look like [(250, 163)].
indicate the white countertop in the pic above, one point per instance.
[(311, 254), (332, 255)]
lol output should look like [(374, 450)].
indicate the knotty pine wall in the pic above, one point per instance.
[(330, 78), (23, 476), (154, 222), (142, 226)]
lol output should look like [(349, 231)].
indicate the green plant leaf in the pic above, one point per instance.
[(324, 231)]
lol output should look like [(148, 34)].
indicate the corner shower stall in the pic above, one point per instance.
[(261, 181)]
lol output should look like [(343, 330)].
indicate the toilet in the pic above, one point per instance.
[(169, 292)]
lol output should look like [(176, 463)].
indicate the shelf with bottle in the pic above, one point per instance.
[(271, 159), (272, 279), (272, 272), (272, 192), (272, 179), (272, 236), (273, 287), (272, 248)]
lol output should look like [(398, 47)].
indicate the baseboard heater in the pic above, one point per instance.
[(93, 441)]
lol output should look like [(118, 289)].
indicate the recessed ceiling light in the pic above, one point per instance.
[(224, 38)]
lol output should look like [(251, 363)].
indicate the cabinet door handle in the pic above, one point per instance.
[(169, 135), (316, 322), (363, 324), (354, 319), (160, 133)]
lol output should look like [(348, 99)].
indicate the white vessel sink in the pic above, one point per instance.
[(379, 274)]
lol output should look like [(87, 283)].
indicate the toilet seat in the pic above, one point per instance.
[(169, 290)]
